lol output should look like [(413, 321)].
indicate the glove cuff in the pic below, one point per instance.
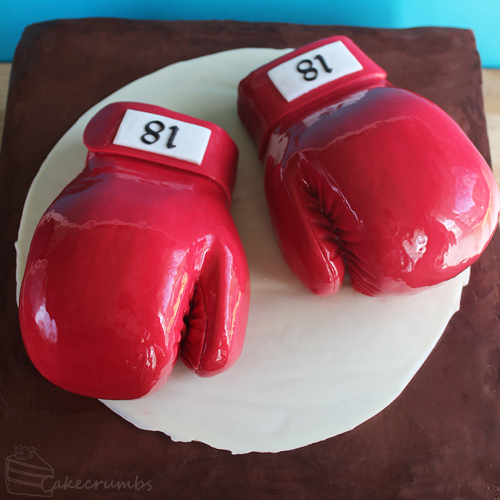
[(158, 135), (300, 81)]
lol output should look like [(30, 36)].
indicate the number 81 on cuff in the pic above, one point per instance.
[(312, 69), (152, 133), (163, 135)]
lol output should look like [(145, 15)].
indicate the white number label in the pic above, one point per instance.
[(162, 135), (309, 71)]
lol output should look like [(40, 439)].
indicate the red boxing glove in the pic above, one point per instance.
[(138, 259), (363, 175)]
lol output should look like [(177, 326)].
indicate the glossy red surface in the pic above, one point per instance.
[(136, 263), (368, 178)]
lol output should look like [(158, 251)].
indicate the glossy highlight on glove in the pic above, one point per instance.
[(136, 263), (365, 177)]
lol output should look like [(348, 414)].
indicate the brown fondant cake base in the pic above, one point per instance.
[(439, 440)]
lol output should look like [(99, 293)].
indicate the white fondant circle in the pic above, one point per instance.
[(311, 367)]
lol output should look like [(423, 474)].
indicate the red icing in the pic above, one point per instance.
[(368, 177), (136, 262)]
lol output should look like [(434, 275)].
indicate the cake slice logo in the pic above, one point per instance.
[(25, 472)]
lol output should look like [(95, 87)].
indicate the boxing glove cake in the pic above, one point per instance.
[(138, 260), (362, 176)]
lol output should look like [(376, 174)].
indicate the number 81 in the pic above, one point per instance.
[(306, 71)]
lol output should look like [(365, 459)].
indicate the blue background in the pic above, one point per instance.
[(482, 16)]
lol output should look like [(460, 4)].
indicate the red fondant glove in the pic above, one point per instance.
[(138, 259), (362, 175)]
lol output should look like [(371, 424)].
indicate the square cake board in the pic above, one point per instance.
[(439, 440)]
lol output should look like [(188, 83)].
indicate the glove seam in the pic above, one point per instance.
[(204, 305), (198, 292), (314, 195)]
